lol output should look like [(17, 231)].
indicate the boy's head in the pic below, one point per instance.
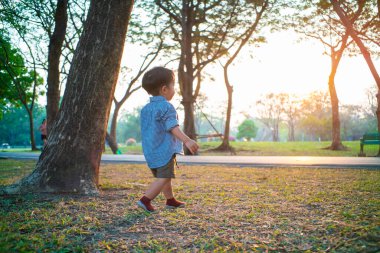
[(154, 79)]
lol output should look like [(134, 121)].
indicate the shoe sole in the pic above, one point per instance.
[(173, 207), (140, 204)]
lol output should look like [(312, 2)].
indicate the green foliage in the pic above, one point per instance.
[(14, 126), (247, 130), (129, 127), (11, 66), (17, 83)]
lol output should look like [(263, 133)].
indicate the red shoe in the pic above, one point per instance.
[(173, 204), (144, 203)]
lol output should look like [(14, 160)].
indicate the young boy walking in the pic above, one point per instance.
[(162, 138)]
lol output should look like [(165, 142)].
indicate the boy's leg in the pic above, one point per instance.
[(156, 187), (171, 202), (167, 190)]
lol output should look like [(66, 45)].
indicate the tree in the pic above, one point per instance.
[(18, 85), (70, 161), (129, 126), (291, 109), (149, 34), (247, 130), (315, 120), (249, 27), (371, 96), (41, 26), (357, 36), (355, 122), (54, 55), (319, 22), (199, 30), (14, 125), (270, 110)]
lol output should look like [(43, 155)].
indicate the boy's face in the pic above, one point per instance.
[(168, 91)]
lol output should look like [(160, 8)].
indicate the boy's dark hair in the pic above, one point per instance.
[(155, 78)]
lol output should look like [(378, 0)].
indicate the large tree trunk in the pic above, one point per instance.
[(189, 123), (336, 56), (336, 142), (55, 51), (31, 128), (70, 161)]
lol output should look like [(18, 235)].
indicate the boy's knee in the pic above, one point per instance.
[(164, 180)]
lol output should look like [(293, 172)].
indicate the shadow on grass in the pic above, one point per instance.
[(65, 221)]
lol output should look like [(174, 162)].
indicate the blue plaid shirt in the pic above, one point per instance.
[(157, 119)]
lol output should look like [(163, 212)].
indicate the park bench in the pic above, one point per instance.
[(369, 139)]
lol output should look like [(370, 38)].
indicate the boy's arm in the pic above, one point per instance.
[(189, 143)]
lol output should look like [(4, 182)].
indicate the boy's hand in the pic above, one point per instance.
[(189, 143), (192, 146)]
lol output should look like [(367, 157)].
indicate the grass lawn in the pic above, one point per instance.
[(263, 149), (275, 149), (228, 210)]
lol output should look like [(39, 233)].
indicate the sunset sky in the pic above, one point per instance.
[(280, 65)]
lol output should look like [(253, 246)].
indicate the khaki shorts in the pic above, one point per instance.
[(166, 171)]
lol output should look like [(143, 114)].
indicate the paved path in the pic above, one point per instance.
[(241, 161)]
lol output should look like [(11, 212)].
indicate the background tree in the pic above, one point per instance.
[(291, 109), (70, 161), (41, 26), (373, 23), (199, 30), (270, 111), (153, 41), (355, 122), (247, 130), (319, 22), (54, 54), (315, 120), (18, 85), (14, 125), (254, 10), (129, 126), (371, 105)]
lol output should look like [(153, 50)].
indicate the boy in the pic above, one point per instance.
[(161, 136)]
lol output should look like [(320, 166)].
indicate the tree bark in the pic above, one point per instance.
[(336, 141), (275, 133), (114, 119), (70, 161), (187, 72), (31, 129), (112, 143), (246, 36), (291, 134), (225, 146), (54, 54), (336, 56)]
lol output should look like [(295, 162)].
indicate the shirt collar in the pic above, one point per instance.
[(157, 98)]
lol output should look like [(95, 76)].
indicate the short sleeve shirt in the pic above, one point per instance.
[(159, 145)]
